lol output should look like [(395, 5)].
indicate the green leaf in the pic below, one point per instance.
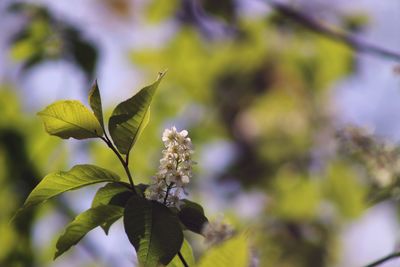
[(95, 103), (70, 118), (141, 188), (153, 230), (233, 252), (85, 222), (344, 190), (59, 182), (116, 194), (130, 117), (192, 216), (187, 254)]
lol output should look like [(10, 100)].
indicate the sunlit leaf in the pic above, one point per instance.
[(345, 191), (187, 254), (59, 182), (95, 103), (85, 222), (192, 216), (23, 50), (297, 198), (159, 10), (153, 230), (70, 118), (131, 116), (233, 253)]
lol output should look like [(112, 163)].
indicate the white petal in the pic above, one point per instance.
[(183, 133), (185, 179)]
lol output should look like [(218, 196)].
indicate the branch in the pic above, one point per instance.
[(182, 259), (330, 33), (384, 259)]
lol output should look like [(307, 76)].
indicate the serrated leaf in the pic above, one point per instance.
[(153, 230), (130, 117), (187, 254), (95, 103), (192, 216), (59, 182), (116, 194), (70, 118), (233, 252), (85, 222)]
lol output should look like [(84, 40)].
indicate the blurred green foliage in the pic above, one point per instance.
[(23, 153), (264, 88), (44, 37)]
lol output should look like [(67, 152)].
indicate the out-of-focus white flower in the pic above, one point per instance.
[(380, 157), (175, 170), (216, 232)]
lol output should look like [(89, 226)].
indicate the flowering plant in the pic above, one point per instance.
[(175, 169), (154, 215)]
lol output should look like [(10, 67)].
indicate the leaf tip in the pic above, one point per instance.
[(15, 216), (95, 86), (56, 255), (106, 230), (161, 74)]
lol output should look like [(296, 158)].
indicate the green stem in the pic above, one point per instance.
[(123, 162), (182, 259), (384, 259)]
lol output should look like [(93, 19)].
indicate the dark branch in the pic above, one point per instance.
[(182, 259), (384, 259), (343, 37)]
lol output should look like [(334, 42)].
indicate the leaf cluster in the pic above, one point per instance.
[(155, 230)]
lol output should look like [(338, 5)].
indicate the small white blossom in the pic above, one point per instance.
[(175, 170), (156, 191), (216, 232)]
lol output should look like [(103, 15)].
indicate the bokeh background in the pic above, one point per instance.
[(270, 102)]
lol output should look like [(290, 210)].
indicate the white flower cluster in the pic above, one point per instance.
[(216, 232), (380, 157), (175, 169)]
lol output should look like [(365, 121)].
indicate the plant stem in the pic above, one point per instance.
[(182, 259), (123, 162), (384, 259), (167, 193)]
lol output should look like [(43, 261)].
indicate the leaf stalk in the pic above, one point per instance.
[(124, 163)]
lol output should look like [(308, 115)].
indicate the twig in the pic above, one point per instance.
[(182, 259), (123, 162), (384, 259), (343, 37)]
